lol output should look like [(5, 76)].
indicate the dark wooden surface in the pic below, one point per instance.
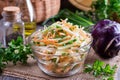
[(3, 77)]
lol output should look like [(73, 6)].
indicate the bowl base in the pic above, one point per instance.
[(59, 75)]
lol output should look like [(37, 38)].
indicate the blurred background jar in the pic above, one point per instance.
[(36, 11), (43, 9), (28, 16), (11, 25)]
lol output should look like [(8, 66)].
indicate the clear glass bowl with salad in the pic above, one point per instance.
[(61, 48)]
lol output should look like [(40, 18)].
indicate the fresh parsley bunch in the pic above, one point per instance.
[(15, 52), (2, 61), (99, 69), (106, 9)]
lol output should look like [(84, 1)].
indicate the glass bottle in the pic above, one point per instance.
[(11, 25), (28, 16)]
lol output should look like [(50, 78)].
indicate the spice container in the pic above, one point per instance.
[(11, 25)]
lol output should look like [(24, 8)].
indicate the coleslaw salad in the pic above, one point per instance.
[(60, 48)]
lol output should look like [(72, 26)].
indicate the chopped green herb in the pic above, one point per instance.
[(65, 54), (70, 42), (58, 27), (53, 31), (50, 52), (60, 36), (38, 42), (54, 60)]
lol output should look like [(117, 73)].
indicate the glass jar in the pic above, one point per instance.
[(11, 26), (28, 16)]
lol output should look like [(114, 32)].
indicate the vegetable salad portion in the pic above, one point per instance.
[(62, 35), (61, 46)]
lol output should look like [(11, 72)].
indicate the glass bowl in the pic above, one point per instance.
[(61, 64)]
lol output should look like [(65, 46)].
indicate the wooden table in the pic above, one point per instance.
[(64, 5), (3, 77), (76, 77)]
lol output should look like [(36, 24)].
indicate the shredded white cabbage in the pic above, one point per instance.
[(63, 39)]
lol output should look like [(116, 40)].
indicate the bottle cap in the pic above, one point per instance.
[(11, 9), (11, 12)]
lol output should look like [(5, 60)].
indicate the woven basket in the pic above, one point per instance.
[(43, 8)]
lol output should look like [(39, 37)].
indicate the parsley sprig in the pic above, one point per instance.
[(106, 9), (100, 69), (15, 52)]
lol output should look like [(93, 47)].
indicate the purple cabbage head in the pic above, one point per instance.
[(106, 38)]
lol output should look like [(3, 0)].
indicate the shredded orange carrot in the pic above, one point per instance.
[(49, 41), (66, 24)]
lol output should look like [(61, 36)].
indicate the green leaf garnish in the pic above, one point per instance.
[(99, 69)]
